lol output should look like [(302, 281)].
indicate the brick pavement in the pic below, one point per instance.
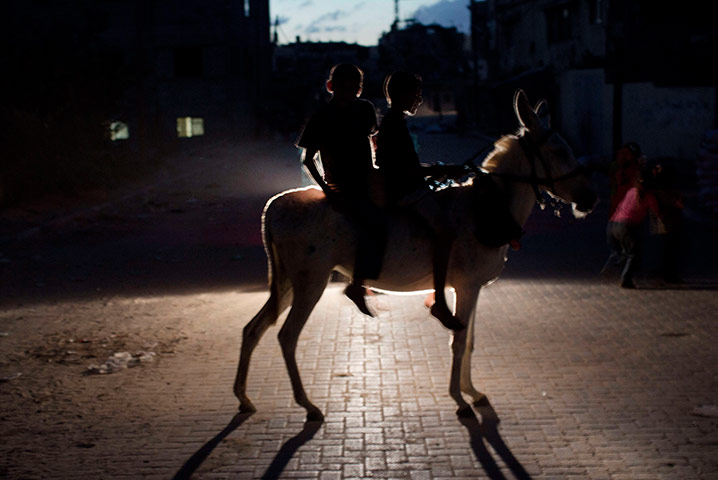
[(588, 381), (585, 380)]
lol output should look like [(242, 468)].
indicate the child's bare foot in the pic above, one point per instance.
[(429, 300), (442, 312), (356, 294)]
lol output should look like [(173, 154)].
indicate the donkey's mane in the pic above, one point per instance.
[(502, 147)]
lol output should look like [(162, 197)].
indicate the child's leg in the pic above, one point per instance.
[(371, 242), (444, 236), (440, 309), (355, 292)]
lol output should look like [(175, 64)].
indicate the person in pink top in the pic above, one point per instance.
[(624, 230)]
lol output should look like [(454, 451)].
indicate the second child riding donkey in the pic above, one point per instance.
[(408, 188)]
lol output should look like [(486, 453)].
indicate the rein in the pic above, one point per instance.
[(532, 149)]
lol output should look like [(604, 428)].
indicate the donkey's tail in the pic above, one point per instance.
[(279, 286), (279, 299)]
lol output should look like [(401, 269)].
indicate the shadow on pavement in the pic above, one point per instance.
[(290, 447), (486, 432), (279, 463), (201, 455)]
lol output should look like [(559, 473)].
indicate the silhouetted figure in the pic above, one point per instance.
[(340, 131), (406, 184), (624, 171), (624, 231), (661, 181)]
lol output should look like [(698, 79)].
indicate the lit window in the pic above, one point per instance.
[(119, 131), (190, 127)]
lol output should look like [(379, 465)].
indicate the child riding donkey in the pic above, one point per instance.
[(340, 131), (408, 188)]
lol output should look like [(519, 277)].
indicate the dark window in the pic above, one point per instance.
[(595, 14), (188, 62), (559, 24)]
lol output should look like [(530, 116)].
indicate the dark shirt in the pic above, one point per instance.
[(397, 158), (341, 135)]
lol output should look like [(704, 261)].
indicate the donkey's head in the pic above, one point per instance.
[(551, 165)]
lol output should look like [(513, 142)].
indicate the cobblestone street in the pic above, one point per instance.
[(585, 380)]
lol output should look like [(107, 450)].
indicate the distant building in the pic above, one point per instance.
[(299, 74), (438, 54), (160, 70)]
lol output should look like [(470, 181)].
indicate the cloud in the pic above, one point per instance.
[(326, 23), (447, 13), (308, 3), (331, 16), (327, 29)]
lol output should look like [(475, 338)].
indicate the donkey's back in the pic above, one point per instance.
[(309, 239), (304, 236)]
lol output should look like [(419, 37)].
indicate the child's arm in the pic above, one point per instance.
[(308, 162)]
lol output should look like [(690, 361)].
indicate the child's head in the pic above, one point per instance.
[(345, 81), (629, 153), (403, 91)]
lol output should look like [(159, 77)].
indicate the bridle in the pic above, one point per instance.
[(532, 149)]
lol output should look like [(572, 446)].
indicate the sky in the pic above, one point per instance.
[(359, 21)]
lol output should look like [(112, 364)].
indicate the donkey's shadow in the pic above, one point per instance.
[(280, 461), (486, 432), (194, 462), (481, 433)]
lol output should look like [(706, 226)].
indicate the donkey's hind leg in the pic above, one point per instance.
[(306, 295), (253, 331)]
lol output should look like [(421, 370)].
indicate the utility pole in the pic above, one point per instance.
[(395, 26)]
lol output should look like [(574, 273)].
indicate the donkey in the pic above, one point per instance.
[(306, 239)]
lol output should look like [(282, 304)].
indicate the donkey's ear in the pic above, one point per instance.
[(543, 113), (524, 113)]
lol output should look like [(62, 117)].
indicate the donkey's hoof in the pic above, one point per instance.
[(247, 407), (465, 412), (315, 415)]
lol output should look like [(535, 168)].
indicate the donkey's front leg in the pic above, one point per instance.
[(465, 298), (458, 345), (467, 385)]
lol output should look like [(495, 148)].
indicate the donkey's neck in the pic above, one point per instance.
[(506, 159), (521, 201)]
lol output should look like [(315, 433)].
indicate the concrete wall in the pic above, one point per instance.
[(668, 121), (585, 111), (665, 121)]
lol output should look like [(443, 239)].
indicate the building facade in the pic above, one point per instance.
[(614, 71), (162, 69)]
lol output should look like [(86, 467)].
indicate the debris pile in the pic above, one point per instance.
[(119, 361)]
